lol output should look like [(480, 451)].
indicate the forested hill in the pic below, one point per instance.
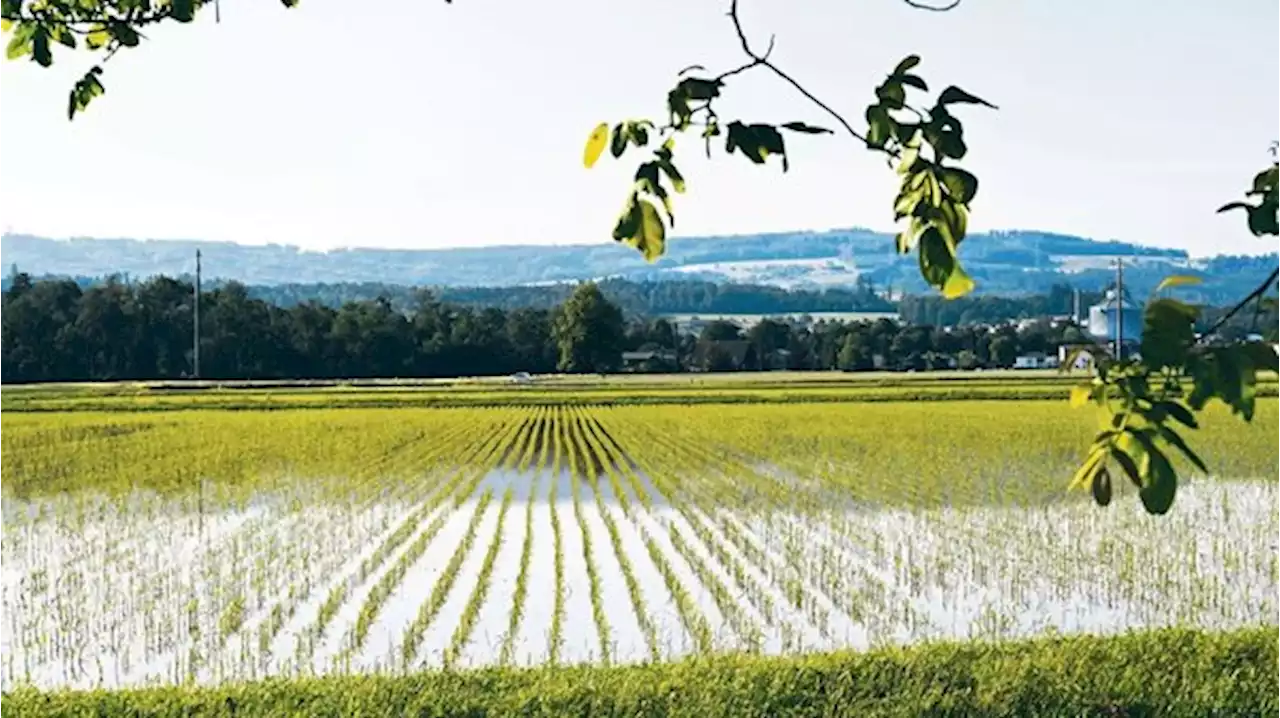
[(1013, 262)]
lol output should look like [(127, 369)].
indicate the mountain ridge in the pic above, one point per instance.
[(1002, 262)]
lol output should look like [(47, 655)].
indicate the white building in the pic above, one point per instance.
[(1103, 322)]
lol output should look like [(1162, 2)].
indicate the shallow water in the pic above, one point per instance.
[(142, 591)]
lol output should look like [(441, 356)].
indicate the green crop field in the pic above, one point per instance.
[(178, 542)]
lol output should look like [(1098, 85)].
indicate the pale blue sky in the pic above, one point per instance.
[(411, 123)]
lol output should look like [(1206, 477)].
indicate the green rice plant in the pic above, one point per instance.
[(555, 641), (522, 585), (467, 622), (440, 591), (724, 599), (382, 590), (578, 476), (628, 573), (692, 619)]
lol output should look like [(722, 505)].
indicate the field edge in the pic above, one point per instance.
[(1168, 672)]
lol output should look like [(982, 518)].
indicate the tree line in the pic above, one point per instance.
[(56, 330)]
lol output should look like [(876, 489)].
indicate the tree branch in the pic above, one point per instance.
[(932, 8), (763, 61), (1255, 294)]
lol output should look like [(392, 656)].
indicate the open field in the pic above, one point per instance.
[(625, 389), (200, 545)]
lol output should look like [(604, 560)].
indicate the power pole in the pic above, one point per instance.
[(195, 324)]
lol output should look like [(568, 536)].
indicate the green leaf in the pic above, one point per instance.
[(6, 25), (294, 3), (806, 129), (125, 34), (697, 88), (1161, 487), (596, 142), (1092, 464), (40, 46), (65, 37), (1178, 412), (619, 143), (891, 94), (960, 184), (628, 220), (914, 81), (650, 235), (958, 283), (184, 10), (1262, 219), (953, 221), (97, 38), (879, 126), (1267, 180), (905, 64), (678, 106), (1168, 333), (647, 177), (1234, 205), (756, 142), (939, 267), (1178, 280), (86, 88), (1175, 440), (1102, 487), (20, 43), (955, 96), (673, 174), (1128, 464)]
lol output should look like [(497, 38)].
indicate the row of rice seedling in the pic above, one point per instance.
[(586, 445), (460, 482), (467, 623), (768, 528), (685, 500), (463, 483), (167, 579)]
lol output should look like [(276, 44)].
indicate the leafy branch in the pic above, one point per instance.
[(106, 27), (921, 143), (1142, 401)]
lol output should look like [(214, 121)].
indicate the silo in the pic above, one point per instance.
[(1103, 319)]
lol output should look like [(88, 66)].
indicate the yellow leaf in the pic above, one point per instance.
[(5, 25), (595, 144), (958, 284), (1091, 465), (650, 236), (1177, 280), (1080, 395)]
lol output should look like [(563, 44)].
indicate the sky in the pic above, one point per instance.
[(417, 124)]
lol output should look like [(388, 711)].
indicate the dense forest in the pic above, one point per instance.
[(57, 330)]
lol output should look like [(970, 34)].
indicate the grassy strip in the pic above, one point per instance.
[(1170, 672), (1010, 389)]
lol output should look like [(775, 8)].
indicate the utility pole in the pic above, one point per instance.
[(195, 324)]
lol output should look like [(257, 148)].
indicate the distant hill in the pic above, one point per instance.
[(1005, 262)]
